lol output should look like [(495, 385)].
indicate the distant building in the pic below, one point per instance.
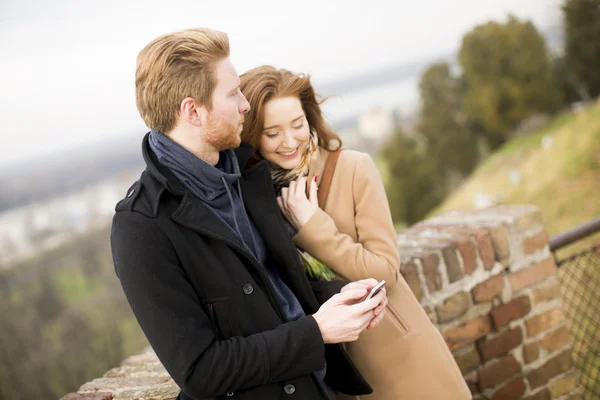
[(376, 123)]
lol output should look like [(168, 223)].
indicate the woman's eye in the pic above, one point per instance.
[(272, 135), (299, 126)]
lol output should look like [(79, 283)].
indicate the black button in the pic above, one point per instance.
[(230, 394), (289, 389), (248, 288)]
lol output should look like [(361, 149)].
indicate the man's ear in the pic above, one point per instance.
[(192, 112)]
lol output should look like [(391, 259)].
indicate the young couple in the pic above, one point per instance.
[(247, 264)]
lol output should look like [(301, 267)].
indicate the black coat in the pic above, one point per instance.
[(207, 306)]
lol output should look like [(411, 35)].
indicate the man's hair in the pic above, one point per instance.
[(175, 66), (265, 83)]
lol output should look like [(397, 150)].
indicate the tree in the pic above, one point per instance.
[(508, 76), (452, 146), (413, 187), (582, 45)]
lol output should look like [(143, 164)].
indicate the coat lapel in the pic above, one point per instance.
[(195, 215), (261, 205)]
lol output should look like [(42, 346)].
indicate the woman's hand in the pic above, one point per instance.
[(294, 204)]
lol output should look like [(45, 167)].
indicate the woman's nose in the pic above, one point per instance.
[(290, 141)]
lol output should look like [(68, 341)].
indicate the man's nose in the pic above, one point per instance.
[(245, 106)]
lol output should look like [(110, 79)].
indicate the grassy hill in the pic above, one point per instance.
[(562, 179)]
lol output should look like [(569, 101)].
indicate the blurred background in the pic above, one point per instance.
[(463, 104)]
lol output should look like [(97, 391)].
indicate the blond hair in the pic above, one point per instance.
[(175, 66)]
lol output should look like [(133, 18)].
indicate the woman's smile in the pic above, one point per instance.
[(289, 154)]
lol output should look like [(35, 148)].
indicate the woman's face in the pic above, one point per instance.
[(286, 132)]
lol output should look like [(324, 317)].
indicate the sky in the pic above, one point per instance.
[(67, 67)]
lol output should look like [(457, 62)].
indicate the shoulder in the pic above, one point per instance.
[(355, 163), (142, 197)]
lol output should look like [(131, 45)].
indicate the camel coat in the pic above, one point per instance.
[(405, 357)]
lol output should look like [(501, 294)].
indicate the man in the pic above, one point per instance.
[(203, 256)]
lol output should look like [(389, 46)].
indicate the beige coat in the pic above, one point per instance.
[(405, 357)]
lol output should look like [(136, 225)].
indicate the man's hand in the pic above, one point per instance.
[(368, 284), (342, 318)]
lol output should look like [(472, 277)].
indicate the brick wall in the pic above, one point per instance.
[(486, 279)]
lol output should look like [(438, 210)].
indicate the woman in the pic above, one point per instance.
[(353, 235)]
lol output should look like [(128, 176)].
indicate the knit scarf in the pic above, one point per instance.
[(282, 178)]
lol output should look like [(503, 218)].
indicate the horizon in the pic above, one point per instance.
[(69, 110)]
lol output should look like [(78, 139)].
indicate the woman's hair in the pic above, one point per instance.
[(173, 67), (262, 84)]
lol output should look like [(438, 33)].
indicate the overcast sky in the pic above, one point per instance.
[(67, 67)]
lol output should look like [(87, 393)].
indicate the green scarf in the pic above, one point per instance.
[(282, 178)]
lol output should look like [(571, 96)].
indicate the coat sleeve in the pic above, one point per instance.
[(180, 332), (375, 253)]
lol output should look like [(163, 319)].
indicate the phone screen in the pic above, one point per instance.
[(375, 289)]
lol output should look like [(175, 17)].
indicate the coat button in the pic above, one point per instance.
[(230, 394), (289, 389), (248, 288)]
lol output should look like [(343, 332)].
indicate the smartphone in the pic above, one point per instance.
[(375, 289)]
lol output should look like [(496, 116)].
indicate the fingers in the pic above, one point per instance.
[(376, 321), (370, 282), (300, 187), (313, 196), (369, 305), (350, 295), (285, 194)]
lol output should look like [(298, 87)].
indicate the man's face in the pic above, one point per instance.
[(224, 124)]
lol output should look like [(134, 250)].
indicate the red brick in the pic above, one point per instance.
[(468, 253), (467, 359), (541, 395), (532, 275), (531, 352), (515, 309), (501, 243), (453, 307), (453, 266), (411, 276), (555, 340), (512, 390), (473, 387), (431, 272), (535, 243), (489, 289), (89, 396), (544, 321), (551, 368), (467, 333), (486, 248), (500, 345), (564, 385), (545, 294), (484, 243), (498, 372)]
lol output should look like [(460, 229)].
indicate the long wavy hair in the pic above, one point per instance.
[(262, 84)]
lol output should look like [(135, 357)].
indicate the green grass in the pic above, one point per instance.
[(563, 180)]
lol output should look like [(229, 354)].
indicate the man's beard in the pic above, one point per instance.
[(221, 134)]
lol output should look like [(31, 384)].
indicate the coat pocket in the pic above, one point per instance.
[(398, 320), (217, 309)]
